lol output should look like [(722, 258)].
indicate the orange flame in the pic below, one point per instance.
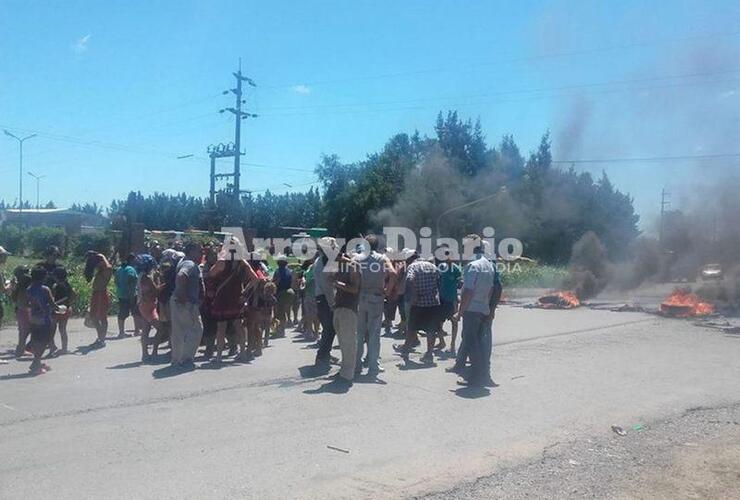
[(561, 299), (684, 304)]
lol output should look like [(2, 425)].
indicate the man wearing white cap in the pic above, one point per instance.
[(481, 290), (324, 292), (374, 268)]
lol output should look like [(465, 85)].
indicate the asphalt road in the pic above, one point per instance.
[(102, 425)]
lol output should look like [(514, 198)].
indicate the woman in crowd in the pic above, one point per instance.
[(64, 297), (283, 278), (254, 305), (147, 292), (99, 271), (210, 252), (21, 280), (230, 276)]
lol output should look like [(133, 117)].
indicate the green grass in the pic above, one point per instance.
[(528, 275)]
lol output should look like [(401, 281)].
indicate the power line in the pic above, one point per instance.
[(98, 144), (262, 165), (512, 60), (282, 185), (320, 107)]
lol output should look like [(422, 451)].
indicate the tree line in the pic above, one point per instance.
[(416, 181)]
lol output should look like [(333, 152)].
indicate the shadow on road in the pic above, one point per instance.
[(471, 392), (170, 371), (87, 349), (159, 359), (336, 386), (369, 379), (300, 339), (413, 365), (314, 371), (16, 376)]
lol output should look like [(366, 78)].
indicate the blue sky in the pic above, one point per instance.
[(119, 89)]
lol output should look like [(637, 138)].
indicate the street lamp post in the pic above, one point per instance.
[(20, 167), (38, 178), (464, 205)]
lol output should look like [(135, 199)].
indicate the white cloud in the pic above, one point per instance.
[(301, 89), (81, 44), (727, 95)]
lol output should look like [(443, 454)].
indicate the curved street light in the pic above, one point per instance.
[(20, 175), (38, 179)]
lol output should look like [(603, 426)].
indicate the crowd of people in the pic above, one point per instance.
[(224, 298)]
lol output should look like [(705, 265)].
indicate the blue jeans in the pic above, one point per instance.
[(369, 321), (476, 344), (326, 318)]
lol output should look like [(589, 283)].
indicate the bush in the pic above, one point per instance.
[(11, 237), (40, 238), (100, 242), (533, 276)]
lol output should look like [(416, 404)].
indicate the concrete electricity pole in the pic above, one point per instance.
[(20, 176), (239, 115), (665, 202)]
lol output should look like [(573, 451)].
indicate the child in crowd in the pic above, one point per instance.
[(266, 306), (297, 285), (40, 303), (64, 298), (147, 291)]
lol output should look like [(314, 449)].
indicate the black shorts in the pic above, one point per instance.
[(447, 310), (426, 319), (127, 308), (40, 335)]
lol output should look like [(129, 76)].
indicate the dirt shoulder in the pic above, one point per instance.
[(693, 455)]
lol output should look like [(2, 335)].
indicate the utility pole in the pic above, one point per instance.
[(239, 115), (665, 202), (214, 152), (20, 175), (38, 179)]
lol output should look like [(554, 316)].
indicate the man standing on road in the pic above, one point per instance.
[(422, 289), (187, 328), (450, 277), (347, 285), (476, 311), (324, 292), (125, 279), (374, 268)]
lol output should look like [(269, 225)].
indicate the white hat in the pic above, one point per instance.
[(328, 241), (407, 253), (258, 254), (281, 258), (232, 249)]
